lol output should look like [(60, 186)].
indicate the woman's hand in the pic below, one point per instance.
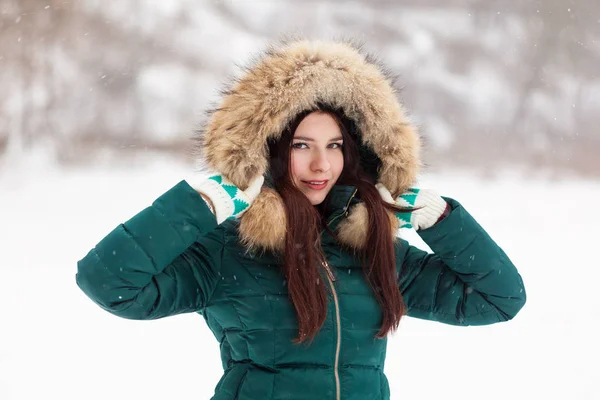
[(424, 207), (225, 199)]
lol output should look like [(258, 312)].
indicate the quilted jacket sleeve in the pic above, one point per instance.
[(163, 261), (468, 280)]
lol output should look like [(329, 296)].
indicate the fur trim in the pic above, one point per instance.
[(287, 80), (352, 231), (263, 225)]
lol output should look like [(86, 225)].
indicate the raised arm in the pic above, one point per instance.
[(468, 280), (161, 262)]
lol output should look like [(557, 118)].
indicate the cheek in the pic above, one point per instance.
[(295, 165), (339, 165)]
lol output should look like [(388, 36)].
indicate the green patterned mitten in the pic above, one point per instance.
[(228, 200), (428, 206)]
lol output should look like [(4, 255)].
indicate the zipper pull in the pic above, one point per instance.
[(328, 270)]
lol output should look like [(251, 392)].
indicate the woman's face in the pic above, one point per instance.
[(316, 156)]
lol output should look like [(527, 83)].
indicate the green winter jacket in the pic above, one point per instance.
[(172, 258)]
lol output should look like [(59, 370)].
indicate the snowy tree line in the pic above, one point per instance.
[(490, 83)]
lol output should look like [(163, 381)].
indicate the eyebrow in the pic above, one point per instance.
[(312, 140)]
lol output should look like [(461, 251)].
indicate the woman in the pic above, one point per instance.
[(302, 277)]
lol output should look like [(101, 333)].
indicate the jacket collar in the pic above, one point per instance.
[(339, 201), (264, 225)]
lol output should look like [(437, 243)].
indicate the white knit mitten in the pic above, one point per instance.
[(227, 201), (428, 206)]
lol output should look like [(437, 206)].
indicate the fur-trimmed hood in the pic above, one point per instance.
[(287, 80)]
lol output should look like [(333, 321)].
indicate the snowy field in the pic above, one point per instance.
[(56, 344)]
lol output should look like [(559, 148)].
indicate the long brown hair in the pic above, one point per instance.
[(303, 255)]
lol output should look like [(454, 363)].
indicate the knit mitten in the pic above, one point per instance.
[(227, 201), (424, 207)]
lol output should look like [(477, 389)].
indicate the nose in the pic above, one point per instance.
[(320, 162)]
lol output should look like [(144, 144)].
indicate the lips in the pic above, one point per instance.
[(316, 185)]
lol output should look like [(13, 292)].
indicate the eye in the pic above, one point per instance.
[(298, 145), (336, 145)]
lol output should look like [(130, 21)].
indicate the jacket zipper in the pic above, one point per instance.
[(331, 279)]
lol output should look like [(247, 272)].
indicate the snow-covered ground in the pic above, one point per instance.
[(56, 344)]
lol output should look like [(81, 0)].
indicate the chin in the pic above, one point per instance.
[(316, 200)]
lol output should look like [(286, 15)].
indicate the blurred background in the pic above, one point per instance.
[(490, 83), (99, 100)]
